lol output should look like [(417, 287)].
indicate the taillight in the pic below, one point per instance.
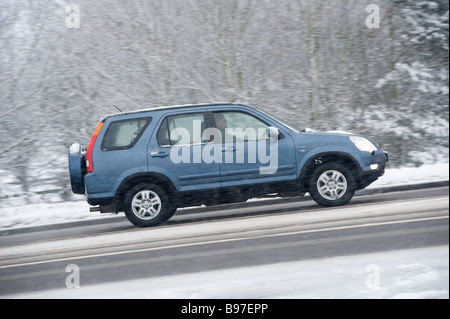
[(89, 165)]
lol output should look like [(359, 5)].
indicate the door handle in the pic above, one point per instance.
[(159, 154), (229, 148)]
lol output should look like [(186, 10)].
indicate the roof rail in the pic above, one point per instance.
[(158, 108)]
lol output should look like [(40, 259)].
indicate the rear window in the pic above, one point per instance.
[(124, 134)]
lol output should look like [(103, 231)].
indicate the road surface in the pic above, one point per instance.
[(197, 241)]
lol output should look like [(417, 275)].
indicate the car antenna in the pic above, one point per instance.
[(117, 108)]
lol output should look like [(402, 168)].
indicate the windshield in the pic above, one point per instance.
[(282, 122)]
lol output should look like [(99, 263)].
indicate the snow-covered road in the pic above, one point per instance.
[(402, 273), (413, 273)]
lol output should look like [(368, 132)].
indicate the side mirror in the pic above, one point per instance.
[(273, 133)]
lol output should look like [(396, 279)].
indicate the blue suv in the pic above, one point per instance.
[(150, 162)]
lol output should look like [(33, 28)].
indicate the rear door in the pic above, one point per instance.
[(180, 151)]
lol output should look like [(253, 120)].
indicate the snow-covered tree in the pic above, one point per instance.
[(314, 63)]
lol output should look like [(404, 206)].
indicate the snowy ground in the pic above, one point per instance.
[(52, 213)]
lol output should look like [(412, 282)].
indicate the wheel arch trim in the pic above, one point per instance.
[(309, 164), (156, 178)]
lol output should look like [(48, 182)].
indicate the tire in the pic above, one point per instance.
[(332, 185), (173, 210), (147, 205), (77, 168)]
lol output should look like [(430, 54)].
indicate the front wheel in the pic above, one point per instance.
[(332, 185), (147, 205)]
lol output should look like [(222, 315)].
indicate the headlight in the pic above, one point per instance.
[(363, 144)]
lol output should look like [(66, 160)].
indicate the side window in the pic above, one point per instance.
[(240, 127), (181, 130), (163, 134), (124, 134)]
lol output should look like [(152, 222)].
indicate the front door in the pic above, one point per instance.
[(249, 155)]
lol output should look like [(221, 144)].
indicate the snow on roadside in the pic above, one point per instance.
[(45, 214), (413, 175), (53, 213)]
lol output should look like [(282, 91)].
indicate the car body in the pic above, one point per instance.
[(150, 162)]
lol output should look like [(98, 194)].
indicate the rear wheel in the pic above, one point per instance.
[(332, 185), (147, 205)]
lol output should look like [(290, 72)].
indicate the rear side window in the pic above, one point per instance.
[(181, 130), (124, 134)]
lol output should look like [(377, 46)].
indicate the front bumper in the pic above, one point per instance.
[(379, 165)]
